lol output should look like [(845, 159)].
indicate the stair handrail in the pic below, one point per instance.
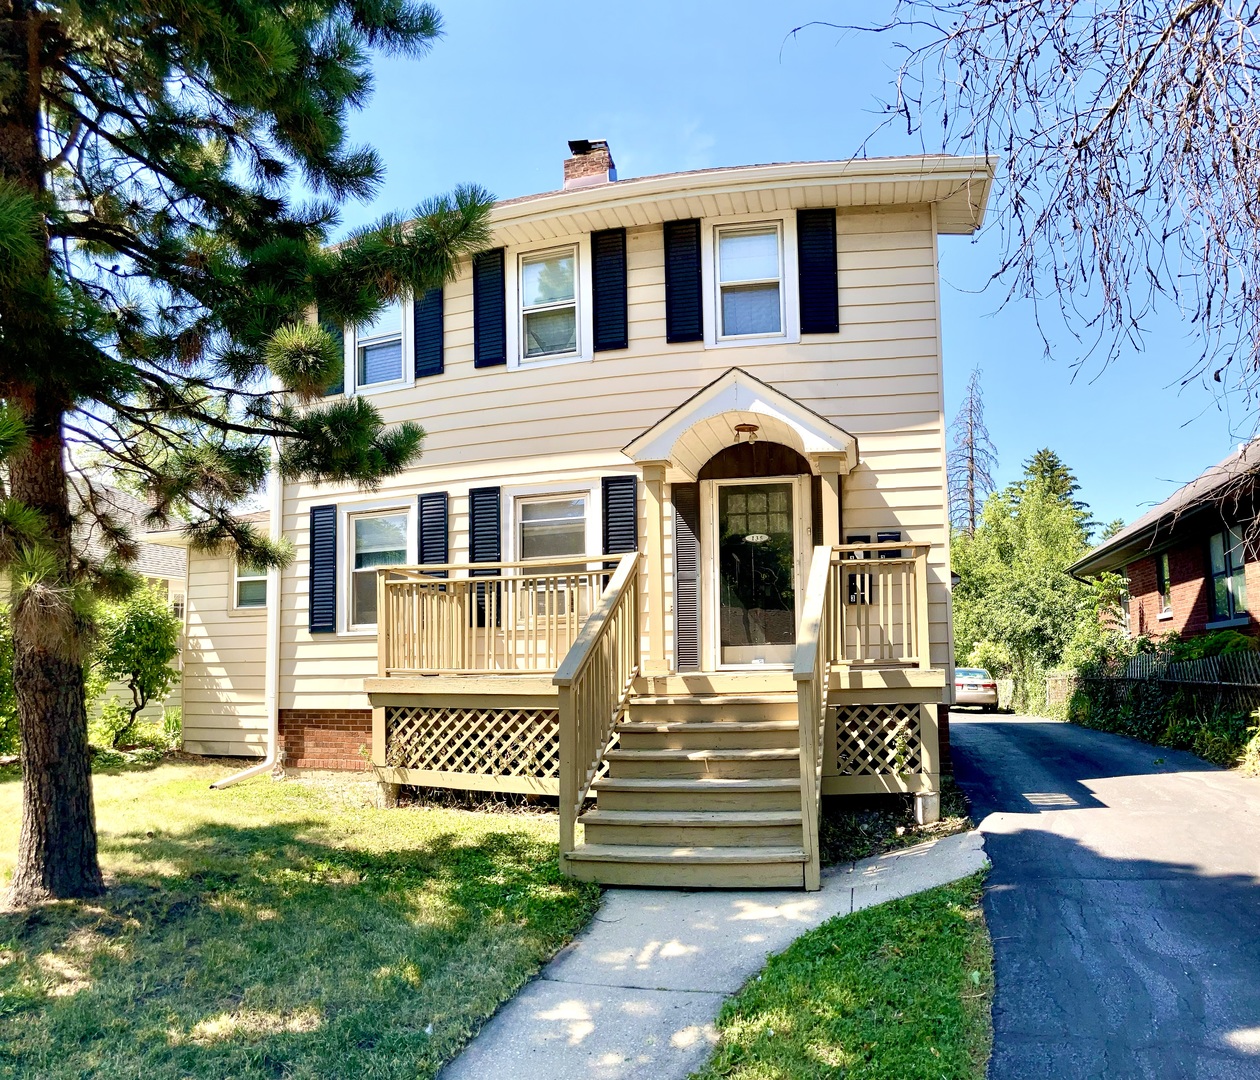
[(812, 673), (593, 685)]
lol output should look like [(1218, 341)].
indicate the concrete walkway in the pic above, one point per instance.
[(636, 994)]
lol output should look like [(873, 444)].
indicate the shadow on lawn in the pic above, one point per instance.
[(264, 951)]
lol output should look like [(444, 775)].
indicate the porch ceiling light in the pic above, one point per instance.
[(746, 429)]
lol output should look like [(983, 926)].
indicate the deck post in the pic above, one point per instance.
[(568, 775), (654, 482), (829, 467)]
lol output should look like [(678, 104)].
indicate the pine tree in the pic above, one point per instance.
[(170, 177), (971, 461), (1046, 469)]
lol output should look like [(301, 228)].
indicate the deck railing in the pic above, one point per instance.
[(594, 684), (484, 618), (879, 606), (812, 672)]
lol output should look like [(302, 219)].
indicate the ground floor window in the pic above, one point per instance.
[(378, 539), (251, 586), (551, 526), (1228, 565)]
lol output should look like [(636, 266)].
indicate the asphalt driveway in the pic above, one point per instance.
[(1124, 903)]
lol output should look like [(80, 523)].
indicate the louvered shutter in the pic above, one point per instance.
[(433, 530), (687, 576), (608, 279), (489, 309), (428, 332), (621, 515), (684, 314), (337, 333), (322, 598), (484, 542), (816, 267)]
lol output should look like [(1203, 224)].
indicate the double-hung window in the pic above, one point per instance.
[(1227, 561), (376, 540), (251, 586), (750, 281), (378, 348), (551, 527), (549, 309), (1163, 582)]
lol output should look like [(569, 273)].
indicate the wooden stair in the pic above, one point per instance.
[(703, 790)]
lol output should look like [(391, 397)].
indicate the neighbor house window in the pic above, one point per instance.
[(251, 586), (1163, 580), (378, 348), (551, 527), (177, 604), (749, 281), (378, 540), (549, 316), (1227, 562)]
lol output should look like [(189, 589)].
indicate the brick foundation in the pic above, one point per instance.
[(325, 738)]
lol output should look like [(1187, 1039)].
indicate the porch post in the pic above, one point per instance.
[(654, 543), (829, 466)]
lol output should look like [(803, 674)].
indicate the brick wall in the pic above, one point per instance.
[(325, 738), (1188, 574)]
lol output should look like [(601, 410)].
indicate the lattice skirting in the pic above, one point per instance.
[(506, 743), (878, 740)]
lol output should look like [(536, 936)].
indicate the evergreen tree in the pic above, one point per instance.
[(170, 177), (971, 460)]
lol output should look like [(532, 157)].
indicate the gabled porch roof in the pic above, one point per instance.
[(704, 424)]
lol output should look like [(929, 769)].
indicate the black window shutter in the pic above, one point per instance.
[(687, 576), (621, 514), (428, 327), (608, 278), (684, 313), (337, 333), (433, 529), (484, 542), (489, 309), (816, 264), (322, 597)]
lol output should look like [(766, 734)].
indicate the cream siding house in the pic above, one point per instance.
[(662, 415)]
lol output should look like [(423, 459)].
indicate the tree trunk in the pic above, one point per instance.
[(57, 849)]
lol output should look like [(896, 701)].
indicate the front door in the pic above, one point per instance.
[(755, 543)]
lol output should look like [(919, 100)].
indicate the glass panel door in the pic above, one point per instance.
[(756, 560)]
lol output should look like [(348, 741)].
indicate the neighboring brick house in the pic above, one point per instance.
[(1191, 562)]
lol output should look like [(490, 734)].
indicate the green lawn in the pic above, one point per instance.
[(276, 930), (896, 992)]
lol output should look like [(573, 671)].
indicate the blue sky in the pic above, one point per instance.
[(678, 85)]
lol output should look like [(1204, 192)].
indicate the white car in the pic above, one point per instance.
[(975, 686)]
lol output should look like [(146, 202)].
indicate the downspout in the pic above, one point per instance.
[(271, 664)]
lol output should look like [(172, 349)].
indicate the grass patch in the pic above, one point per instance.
[(277, 930), (859, 827), (900, 990)]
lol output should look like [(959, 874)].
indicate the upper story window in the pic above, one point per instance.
[(549, 309), (251, 586), (378, 539), (1163, 582), (1227, 559), (378, 348), (749, 281)]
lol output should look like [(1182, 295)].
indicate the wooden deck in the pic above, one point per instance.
[(687, 779)]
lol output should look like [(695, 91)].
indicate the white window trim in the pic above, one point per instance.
[(790, 292), (585, 318), (350, 354), (346, 514), (589, 489), (247, 609)]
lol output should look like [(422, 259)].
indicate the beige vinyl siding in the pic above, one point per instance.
[(224, 649), (878, 378)]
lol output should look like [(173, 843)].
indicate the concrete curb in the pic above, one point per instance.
[(636, 994)]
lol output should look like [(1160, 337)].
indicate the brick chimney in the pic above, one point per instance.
[(590, 164)]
